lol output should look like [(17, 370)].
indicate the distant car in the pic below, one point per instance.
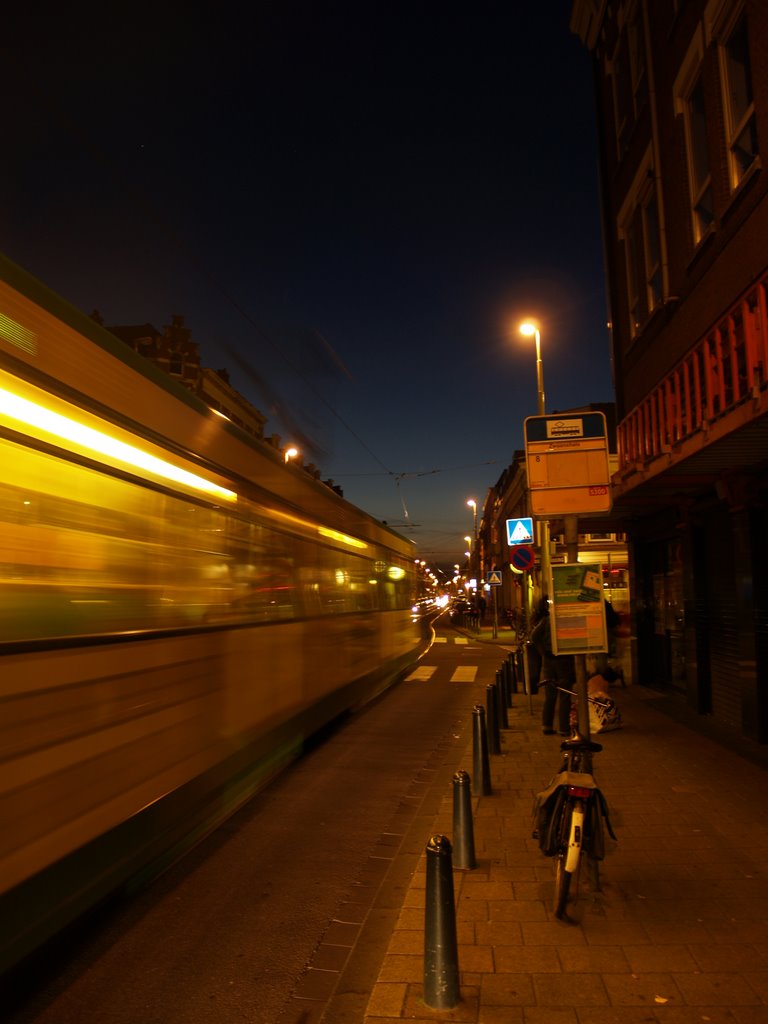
[(423, 606)]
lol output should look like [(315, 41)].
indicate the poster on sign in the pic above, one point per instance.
[(578, 609)]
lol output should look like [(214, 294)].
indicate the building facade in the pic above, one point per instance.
[(681, 90)]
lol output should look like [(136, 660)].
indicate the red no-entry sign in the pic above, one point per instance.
[(521, 557)]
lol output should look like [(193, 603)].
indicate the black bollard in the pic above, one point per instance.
[(441, 958), (512, 673), (463, 832), (501, 701), (509, 676), (504, 683), (481, 768), (492, 718)]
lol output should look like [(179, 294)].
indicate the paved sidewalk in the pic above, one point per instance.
[(678, 932)]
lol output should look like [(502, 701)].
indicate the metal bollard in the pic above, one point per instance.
[(492, 718), (518, 666), (501, 701), (481, 768), (502, 676), (509, 675), (463, 833), (441, 958)]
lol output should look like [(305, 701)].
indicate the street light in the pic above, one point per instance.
[(290, 453), (530, 330), (473, 505)]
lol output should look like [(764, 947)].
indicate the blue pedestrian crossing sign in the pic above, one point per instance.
[(519, 531), (493, 577)]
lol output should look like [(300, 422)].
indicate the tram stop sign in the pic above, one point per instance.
[(567, 463)]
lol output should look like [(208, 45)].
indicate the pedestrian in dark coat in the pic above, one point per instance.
[(557, 670)]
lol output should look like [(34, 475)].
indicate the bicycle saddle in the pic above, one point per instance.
[(579, 743)]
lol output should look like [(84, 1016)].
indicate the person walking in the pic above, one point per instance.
[(557, 670)]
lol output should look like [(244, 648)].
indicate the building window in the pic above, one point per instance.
[(738, 101), (690, 106), (698, 162), (630, 80), (639, 226), (636, 44)]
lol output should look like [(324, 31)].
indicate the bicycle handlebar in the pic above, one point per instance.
[(592, 700)]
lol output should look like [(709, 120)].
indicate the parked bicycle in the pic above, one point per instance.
[(568, 818)]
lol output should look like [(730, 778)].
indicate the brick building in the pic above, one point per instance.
[(681, 89)]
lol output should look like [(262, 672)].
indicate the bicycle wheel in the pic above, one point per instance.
[(562, 884), (594, 875), (568, 858), (575, 837), (563, 877)]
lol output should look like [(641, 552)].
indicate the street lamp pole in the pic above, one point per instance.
[(531, 330), (572, 540), (539, 373), (474, 560), (473, 505)]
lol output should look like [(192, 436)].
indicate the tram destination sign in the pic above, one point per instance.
[(567, 463)]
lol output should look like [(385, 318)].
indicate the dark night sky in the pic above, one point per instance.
[(352, 206)]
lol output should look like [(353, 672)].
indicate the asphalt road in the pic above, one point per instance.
[(229, 933)]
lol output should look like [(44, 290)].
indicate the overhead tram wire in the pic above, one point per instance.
[(425, 472), (403, 476)]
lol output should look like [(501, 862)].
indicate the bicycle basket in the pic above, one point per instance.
[(594, 839), (547, 812)]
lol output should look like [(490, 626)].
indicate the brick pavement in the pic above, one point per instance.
[(678, 932)]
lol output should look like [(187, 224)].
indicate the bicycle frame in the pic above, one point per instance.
[(570, 815), (580, 790)]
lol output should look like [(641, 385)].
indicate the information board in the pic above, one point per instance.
[(567, 464), (578, 609)]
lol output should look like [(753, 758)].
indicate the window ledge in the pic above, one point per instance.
[(666, 306), (742, 189), (701, 247)]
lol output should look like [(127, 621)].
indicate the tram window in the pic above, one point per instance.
[(84, 552), (362, 590)]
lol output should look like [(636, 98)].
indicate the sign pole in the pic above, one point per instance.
[(493, 579), (568, 469), (571, 524), (545, 556)]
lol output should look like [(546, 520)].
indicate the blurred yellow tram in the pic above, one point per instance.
[(179, 611)]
